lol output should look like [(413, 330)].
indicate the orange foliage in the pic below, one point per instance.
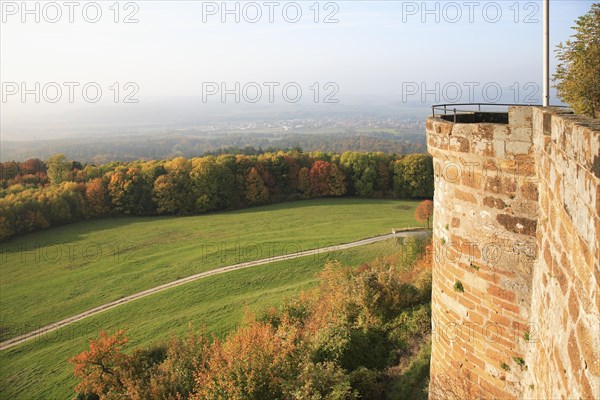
[(326, 179), (96, 195), (424, 211), (99, 367), (252, 363)]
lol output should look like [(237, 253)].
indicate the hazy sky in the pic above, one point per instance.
[(177, 48)]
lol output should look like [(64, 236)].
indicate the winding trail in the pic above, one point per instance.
[(7, 344)]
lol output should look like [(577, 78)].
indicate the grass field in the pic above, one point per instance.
[(60, 272), (39, 370)]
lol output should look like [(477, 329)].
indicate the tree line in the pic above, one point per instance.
[(36, 194)]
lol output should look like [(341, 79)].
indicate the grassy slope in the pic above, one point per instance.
[(74, 268), (39, 370)]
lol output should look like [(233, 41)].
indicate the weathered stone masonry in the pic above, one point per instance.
[(516, 272)]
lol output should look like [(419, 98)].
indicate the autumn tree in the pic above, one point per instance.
[(174, 377), (96, 196), (319, 173), (274, 171), (212, 183), (267, 177), (304, 181), (204, 181), (424, 211), (173, 191), (167, 195), (256, 191), (33, 166), (577, 74), (326, 179), (99, 369), (126, 188), (64, 203), (337, 185), (254, 363)]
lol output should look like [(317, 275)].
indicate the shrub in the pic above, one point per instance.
[(458, 287), (368, 384)]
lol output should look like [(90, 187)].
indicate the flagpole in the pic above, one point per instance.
[(546, 73)]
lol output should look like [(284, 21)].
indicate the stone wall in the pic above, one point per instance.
[(504, 325), (566, 295)]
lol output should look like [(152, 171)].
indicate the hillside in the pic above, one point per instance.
[(217, 302)]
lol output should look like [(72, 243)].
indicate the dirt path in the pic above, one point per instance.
[(124, 300)]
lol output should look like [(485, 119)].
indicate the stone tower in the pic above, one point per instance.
[(515, 302)]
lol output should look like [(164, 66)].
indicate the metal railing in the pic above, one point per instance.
[(453, 110)]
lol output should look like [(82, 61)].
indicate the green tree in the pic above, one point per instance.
[(578, 70), (212, 182), (275, 174), (58, 168), (173, 194), (361, 170), (413, 176), (242, 166), (225, 175)]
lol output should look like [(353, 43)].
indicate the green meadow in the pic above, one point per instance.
[(54, 274)]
